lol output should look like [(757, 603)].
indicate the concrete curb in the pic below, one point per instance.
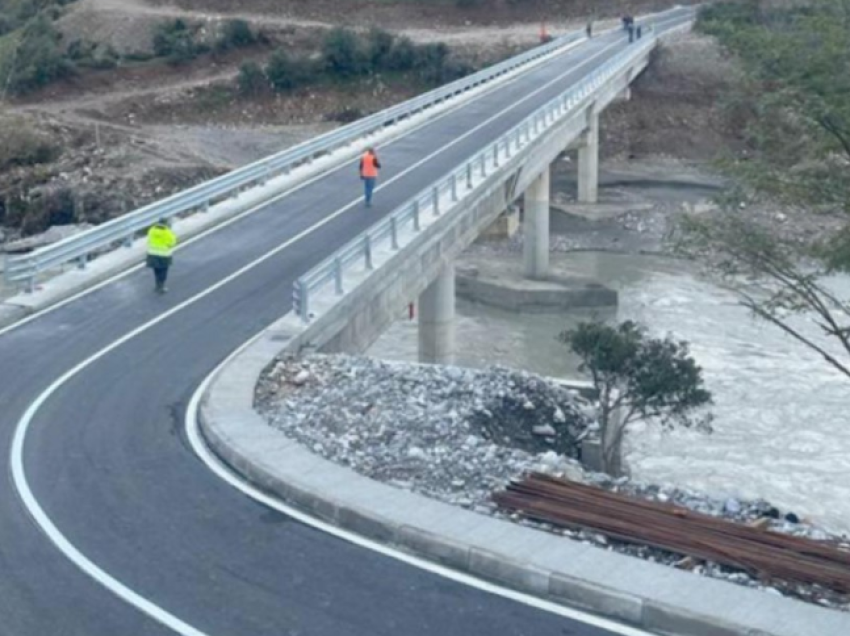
[(645, 594)]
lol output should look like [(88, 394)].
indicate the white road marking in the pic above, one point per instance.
[(219, 468), (219, 226), (16, 454)]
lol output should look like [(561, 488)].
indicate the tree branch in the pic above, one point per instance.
[(757, 309)]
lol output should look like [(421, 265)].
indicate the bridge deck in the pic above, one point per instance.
[(106, 459)]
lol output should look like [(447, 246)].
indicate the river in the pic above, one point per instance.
[(780, 429)]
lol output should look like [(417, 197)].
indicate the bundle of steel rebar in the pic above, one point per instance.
[(762, 553)]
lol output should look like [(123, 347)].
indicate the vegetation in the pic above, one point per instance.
[(36, 57), (796, 62), (177, 42), (284, 73), (347, 56), (21, 145), (637, 377), (252, 79), (235, 34)]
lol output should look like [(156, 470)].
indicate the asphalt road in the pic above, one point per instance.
[(106, 457)]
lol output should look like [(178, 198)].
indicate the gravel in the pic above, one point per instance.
[(449, 433), (458, 435)]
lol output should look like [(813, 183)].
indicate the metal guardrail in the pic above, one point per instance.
[(446, 190), (122, 230)]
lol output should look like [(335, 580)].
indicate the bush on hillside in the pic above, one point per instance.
[(252, 80), (21, 145), (175, 41), (38, 58), (92, 55), (285, 73), (403, 55), (379, 45), (235, 34), (343, 54)]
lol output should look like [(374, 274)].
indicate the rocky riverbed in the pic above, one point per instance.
[(459, 434)]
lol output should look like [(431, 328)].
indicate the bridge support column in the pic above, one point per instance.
[(536, 227), (436, 319), (588, 162)]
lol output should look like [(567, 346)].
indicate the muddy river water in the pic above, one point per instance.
[(781, 432)]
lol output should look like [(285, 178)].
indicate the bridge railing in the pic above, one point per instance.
[(437, 198), (122, 230)]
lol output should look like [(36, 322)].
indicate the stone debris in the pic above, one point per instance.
[(458, 435), (449, 433)]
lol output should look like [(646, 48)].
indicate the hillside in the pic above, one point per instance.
[(147, 96)]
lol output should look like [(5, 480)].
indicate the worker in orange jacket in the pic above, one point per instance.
[(369, 166)]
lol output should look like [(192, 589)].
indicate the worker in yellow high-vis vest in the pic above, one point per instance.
[(161, 243)]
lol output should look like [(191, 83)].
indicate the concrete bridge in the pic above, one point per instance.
[(108, 522), (344, 303)]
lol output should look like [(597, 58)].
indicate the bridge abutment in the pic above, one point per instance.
[(437, 318), (588, 161), (536, 227)]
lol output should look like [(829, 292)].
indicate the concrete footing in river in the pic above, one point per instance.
[(507, 288)]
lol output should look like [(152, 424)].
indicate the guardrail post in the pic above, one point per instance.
[(394, 232), (435, 199), (128, 241), (338, 276), (483, 165), (496, 154), (367, 251), (469, 175), (81, 261), (454, 186), (517, 138), (300, 300), (507, 148), (416, 225)]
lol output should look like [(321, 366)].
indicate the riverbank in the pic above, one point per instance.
[(460, 435)]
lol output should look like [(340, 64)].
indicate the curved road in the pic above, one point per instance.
[(106, 458)]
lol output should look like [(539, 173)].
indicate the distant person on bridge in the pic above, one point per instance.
[(161, 242), (369, 166), (589, 29)]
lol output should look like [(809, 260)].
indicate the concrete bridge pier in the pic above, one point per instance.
[(437, 318), (588, 161), (536, 227)]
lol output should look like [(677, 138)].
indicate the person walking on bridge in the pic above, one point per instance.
[(369, 166), (161, 243)]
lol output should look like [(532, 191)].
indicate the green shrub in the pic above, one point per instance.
[(235, 34), (21, 145), (39, 58), (175, 41), (343, 54), (379, 45), (252, 79), (285, 73), (452, 70), (403, 55), (430, 60), (92, 55)]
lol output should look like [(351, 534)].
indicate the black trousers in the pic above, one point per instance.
[(159, 265), (160, 274)]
